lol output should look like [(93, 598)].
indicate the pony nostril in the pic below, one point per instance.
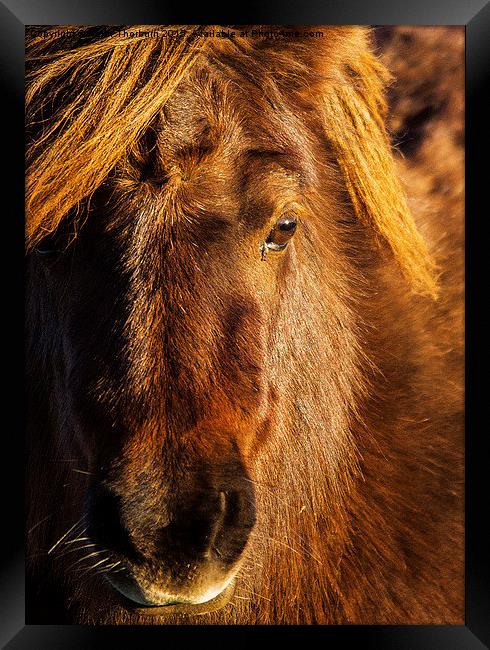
[(106, 524), (222, 501), (234, 509), (214, 525), (237, 518), (217, 526)]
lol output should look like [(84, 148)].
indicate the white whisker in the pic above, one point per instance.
[(101, 562), (77, 539), (86, 557), (78, 548), (63, 536), (91, 568), (110, 567), (38, 524)]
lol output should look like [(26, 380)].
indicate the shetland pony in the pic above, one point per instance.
[(244, 332)]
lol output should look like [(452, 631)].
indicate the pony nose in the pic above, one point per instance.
[(210, 524), (202, 524)]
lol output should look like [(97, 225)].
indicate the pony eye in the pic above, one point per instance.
[(48, 248), (282, 232)]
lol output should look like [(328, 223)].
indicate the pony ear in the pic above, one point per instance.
[(354, 111)]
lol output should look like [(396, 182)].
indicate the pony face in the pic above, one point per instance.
[(198, 295), (169, 311)]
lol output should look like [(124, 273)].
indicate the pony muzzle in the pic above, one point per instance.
[(182, 554), (153, 601)]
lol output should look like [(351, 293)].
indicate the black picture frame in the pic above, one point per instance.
[(14, 15)]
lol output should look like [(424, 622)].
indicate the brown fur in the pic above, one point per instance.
[(332, 366)]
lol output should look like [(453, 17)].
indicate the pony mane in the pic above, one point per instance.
[(101, 96), (369, 169), (115, 86)]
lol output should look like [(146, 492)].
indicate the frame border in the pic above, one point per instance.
[(475, 16)]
